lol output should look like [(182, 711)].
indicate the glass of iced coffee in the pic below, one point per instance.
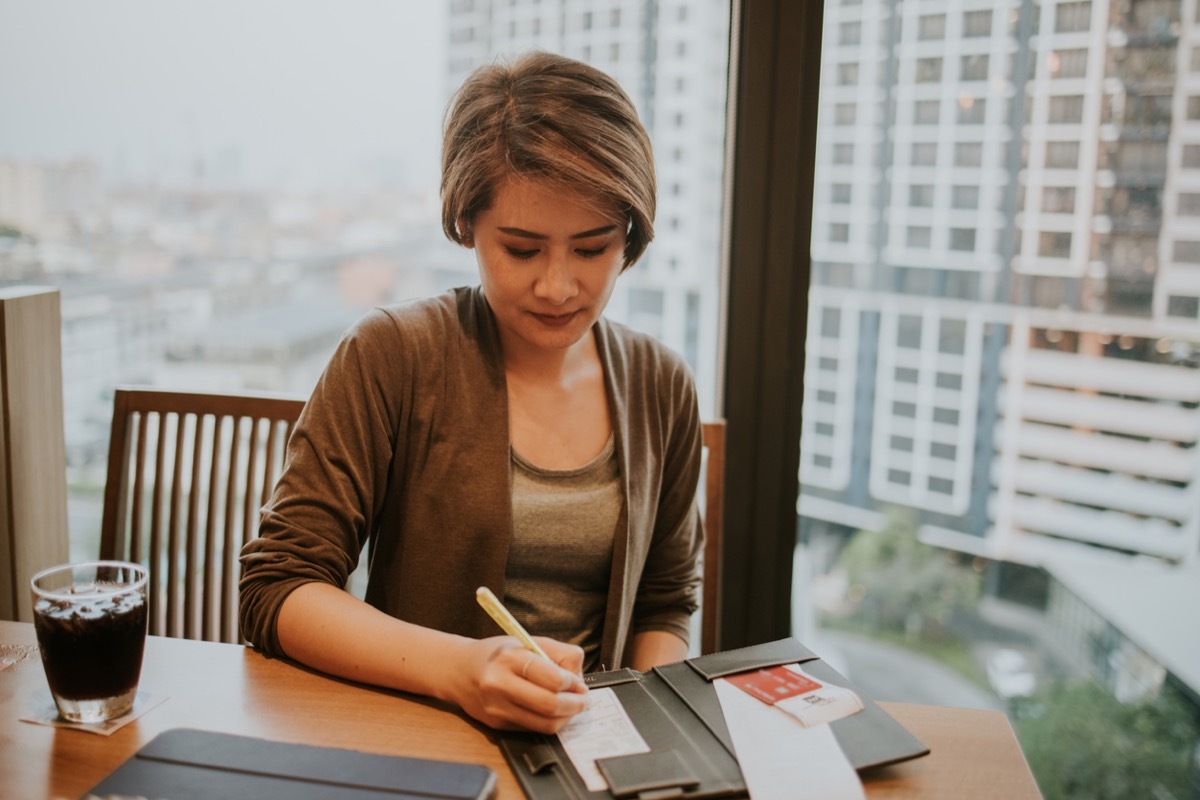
[(91, 628)]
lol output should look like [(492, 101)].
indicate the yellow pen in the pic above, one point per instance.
[(496, 610)]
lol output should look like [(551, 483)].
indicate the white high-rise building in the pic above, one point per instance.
[(1004, 328)]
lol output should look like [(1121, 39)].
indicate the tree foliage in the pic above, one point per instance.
[(1086, 744), (897, 582)]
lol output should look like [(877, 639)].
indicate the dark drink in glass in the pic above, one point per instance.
[(91, 628)]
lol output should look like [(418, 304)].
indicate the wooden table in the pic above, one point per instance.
[(229, 688)]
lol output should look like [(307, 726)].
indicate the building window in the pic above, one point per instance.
[(1058, 199), (1193, 108), (1188, 307), (962, 239), (920, 195), (1066, 109), (1062, 155), (968, 154), (1187, 252), (839, 232), (929, 70), (924, 154), (1073, 17), (843, 153), (977, 23), (847, 74), (839, 193), (1054, 244), (964, 197), (1191, 155), (1068, 63), (973, 68), (919, 237), (925, 112), (1189, 204), (845, 113), (850, 33), (931, 26), (971, 110)]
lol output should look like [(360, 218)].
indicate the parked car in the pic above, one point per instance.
[(1009, 673)]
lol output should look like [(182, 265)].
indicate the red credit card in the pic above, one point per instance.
[(774, 684)]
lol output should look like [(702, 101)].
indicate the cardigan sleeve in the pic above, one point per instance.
[(667, 591), (324, 505)]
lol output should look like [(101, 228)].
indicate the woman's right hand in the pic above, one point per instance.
[(503, 685)]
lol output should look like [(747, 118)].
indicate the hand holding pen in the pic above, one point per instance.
[(549, 686)]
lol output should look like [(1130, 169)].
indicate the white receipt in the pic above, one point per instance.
[(602, 730), (780, 758)]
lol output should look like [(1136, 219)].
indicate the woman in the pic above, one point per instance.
[(504, 435)]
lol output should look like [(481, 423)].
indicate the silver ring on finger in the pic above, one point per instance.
[(525, 668)]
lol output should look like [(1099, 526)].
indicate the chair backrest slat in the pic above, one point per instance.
[(173, 523), (229, 528), (212, 530), (714, 508), (192, 508), (191, 597)]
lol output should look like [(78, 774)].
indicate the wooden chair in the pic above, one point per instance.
[(714, 506), (187, 475)]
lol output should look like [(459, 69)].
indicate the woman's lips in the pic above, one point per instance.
[(555, 320)]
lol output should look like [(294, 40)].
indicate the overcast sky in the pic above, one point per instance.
[(282, 90)]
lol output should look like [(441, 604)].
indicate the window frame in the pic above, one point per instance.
[(773, 97)]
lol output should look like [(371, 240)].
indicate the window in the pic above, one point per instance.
[(974, 68), (1068, 63), (964, 197), (924, 154), (968, 154), (1187, 252), (1063, 211), (1073, 17), (1189, 204), (1054, 244), (919, 237), (843, 153), (1058, 199), (977, 24), (1062, 155), (929, 70), (845, 113), (850, 33), (971, 110), (920, 195), (931, 26), (962, 239), (839, 193), (847, 74), (1066, 109), (839, 232), (925, 112)]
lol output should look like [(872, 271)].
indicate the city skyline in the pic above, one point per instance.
[(300, 94)]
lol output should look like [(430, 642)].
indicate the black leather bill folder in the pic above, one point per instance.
[(183, 763), (676, 711)]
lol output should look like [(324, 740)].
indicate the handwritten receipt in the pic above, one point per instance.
[(602, 730)]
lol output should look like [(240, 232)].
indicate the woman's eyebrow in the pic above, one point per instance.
[(524, 234)]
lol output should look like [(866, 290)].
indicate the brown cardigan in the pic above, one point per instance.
[(403, 448)]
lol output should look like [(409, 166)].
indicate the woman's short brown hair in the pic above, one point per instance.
[(555, 120)]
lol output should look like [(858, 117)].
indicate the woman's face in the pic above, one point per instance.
[(547, 263)]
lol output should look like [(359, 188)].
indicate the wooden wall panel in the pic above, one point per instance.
[(33, 490)]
